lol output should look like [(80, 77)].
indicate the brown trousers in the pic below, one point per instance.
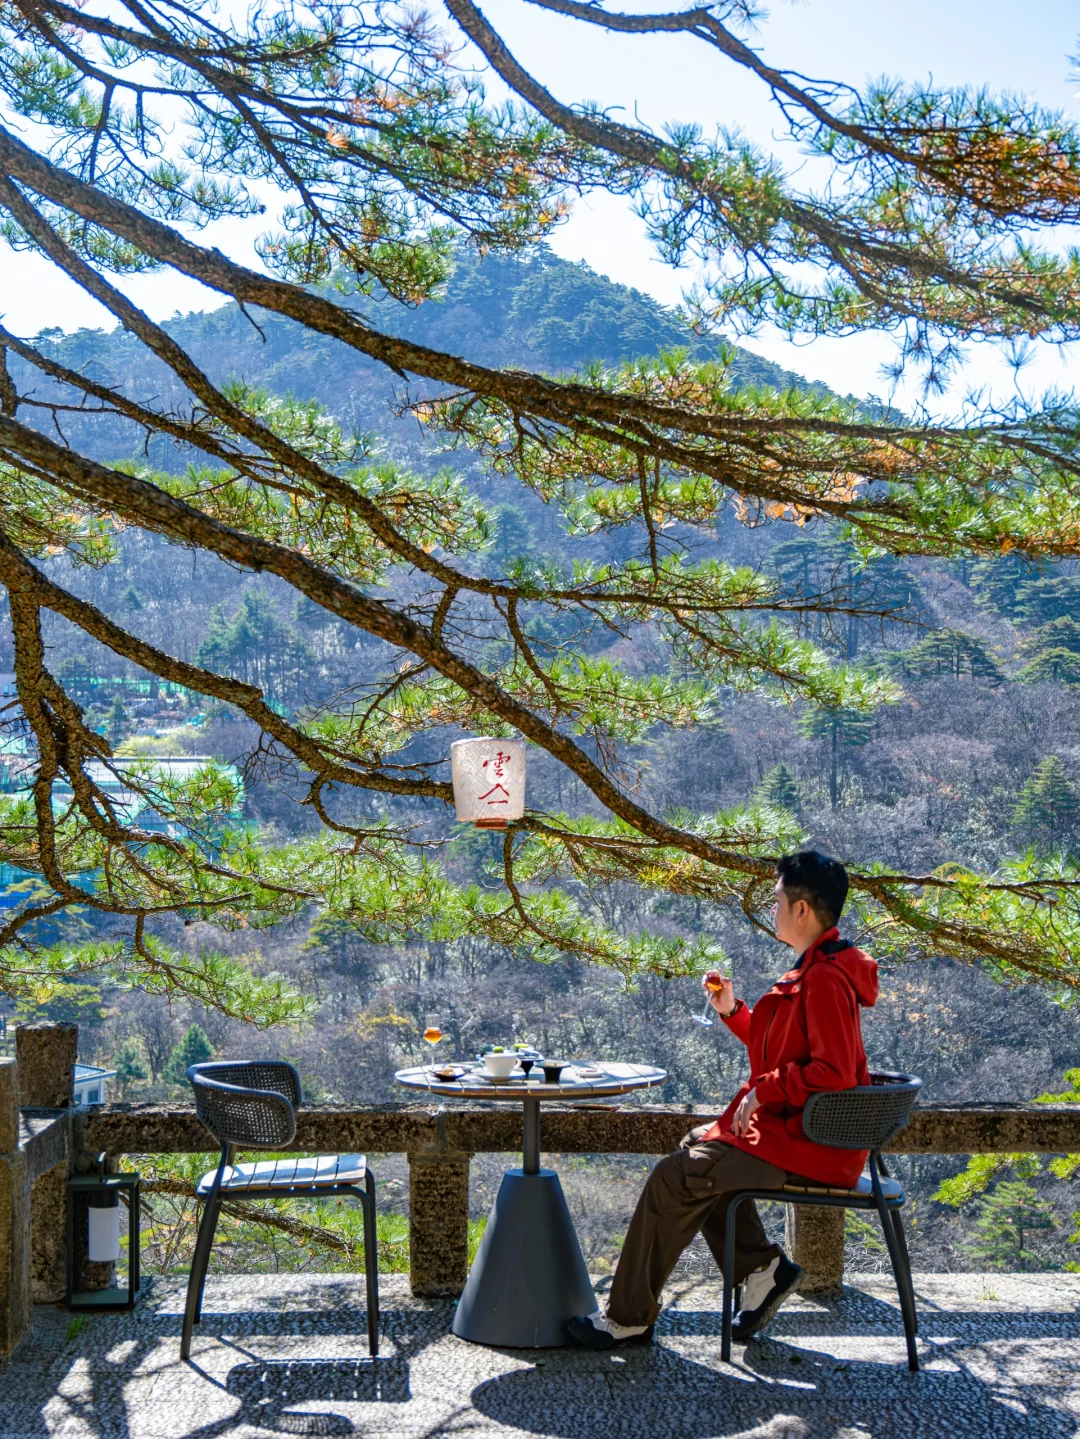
[(687, 1192)]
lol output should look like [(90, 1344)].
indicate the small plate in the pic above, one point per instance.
[(494, 1078), (448, 1072)]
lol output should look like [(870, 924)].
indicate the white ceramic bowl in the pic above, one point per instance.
[(500, 1066)]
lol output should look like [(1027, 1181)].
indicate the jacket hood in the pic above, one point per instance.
[(858, 968)]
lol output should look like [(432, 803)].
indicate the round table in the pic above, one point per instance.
[(529, 1275)]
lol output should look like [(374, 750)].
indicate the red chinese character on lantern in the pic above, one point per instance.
[(496, 789), (498, 764)]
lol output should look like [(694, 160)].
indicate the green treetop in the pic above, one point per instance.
[(1055, 653), (254, 644), (1049, 804), (816, 567), (194, 1048), (117, 721), (948, 652), (780, 789), (367, 136), (68, 1002), (1010, 1228), (1056, 665), (129, 1064), (1062, 633), (996, 582), (1049, 598)]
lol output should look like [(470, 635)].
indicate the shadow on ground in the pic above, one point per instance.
[(664, 1393), (269, 1391), (277, 1357)]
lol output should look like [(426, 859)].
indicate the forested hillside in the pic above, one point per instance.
[(975, 763), (541, 312)]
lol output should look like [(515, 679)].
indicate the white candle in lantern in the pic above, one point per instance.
[(103, 1239)]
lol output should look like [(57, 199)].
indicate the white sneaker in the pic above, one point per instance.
[(763, 1293), (597, 1331), (757, 1286), (600, 1321)]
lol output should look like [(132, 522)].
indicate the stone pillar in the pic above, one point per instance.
[(14, 1218), (10, 1103), (48, 1257), (46, 1055), (438, 1222), (815, 1239)]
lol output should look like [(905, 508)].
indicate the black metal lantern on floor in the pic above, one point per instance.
[(93, 1235)]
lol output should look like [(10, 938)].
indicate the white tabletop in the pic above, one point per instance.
[(601, 1079)]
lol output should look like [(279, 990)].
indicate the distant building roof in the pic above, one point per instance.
[(131, 805), (84, 1072)]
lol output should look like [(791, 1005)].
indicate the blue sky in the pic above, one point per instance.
[(978, 42)]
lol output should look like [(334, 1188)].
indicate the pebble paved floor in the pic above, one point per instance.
[(278, 1356)]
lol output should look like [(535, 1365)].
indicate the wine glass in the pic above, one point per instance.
[(705, 1018), (432, 1035)]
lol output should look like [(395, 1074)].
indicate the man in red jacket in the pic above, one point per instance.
[(803, 1035)]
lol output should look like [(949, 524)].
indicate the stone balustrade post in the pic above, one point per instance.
[(46, 1054), (438, 1220), (815, 1239), (10, 1103), (14, 1217)]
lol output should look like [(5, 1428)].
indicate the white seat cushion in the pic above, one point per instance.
[(284, 1174), (890, 1188)]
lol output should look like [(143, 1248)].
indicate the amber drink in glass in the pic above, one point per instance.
[(705, 1018)]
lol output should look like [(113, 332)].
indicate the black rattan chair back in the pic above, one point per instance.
[(866, 1117), (248, 1103)]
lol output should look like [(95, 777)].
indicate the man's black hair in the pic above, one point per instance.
[(821, 881)]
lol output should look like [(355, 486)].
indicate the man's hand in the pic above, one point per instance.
[(740, 1121), (722, 998)]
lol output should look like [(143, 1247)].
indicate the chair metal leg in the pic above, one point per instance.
[(900, 1276), (213, 1204), (728, 1276), (901, 1244), (901, 1239), (199, 1261), (371, 1262)]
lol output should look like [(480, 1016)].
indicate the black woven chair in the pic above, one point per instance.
[(863, 1118), (252, 1105)]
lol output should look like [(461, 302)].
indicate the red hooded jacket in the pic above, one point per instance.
[(804, 1035)]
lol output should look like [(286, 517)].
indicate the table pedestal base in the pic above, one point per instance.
[(529, 1277)]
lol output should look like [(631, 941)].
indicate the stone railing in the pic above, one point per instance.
[(439, 1142)]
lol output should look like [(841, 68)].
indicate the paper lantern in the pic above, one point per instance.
[(93, 1235), (489, 781)]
